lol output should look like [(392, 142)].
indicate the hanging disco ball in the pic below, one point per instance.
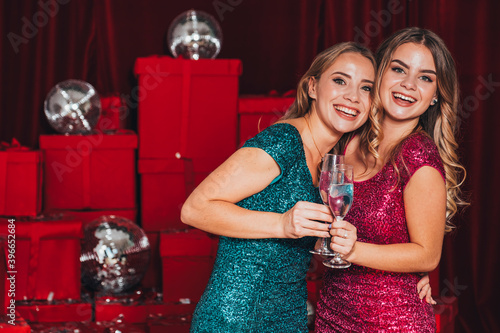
[(73, 107), (115, 254), (194, 34)]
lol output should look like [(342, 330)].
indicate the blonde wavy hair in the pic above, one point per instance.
[(302, 104), (440, 121)]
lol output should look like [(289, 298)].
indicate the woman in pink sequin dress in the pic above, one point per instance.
[(404, 197)]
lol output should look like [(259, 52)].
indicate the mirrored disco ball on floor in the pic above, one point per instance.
[(73, 107), (194, 34), (115, 254)]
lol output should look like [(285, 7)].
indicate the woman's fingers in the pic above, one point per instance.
[(343, 244), (305, 219), (344, 236), (424, 289), (422, 292), (316, 229), (343, 230), (424, 280), (429, 298), (313, 211), (343, 224)]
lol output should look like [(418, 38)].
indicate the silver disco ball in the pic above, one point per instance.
[(194, 34), (115, 254), (73, 107)]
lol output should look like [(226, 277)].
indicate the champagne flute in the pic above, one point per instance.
[(328, 162), (340, 200)]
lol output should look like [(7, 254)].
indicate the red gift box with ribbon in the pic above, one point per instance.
[(47, 259), (187, 108), (257, 112), (114, 113), (165, 185), (94, 172), (55, 311), (187, 261), (20, 180)]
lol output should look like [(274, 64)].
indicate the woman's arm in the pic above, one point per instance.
[(211, 206), (425, 206)]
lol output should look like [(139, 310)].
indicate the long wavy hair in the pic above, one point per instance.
[(302, 104), (440, 121)]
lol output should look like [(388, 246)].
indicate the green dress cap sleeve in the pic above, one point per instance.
[(282, 142)]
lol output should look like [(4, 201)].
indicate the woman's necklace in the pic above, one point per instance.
[(312, 136)]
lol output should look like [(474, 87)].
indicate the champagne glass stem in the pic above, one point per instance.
[(324, 248), (336, 261)]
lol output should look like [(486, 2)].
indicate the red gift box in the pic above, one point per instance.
[(113, 114), (56, 312), (165, 185), (20, 181), (187, 108), (256, 113), (130, 311), (4, 286), (127, 313), (187, 261), (152, 277), (173, 324), (107, 327), (89, 172), (87, 216), (63, 327), (47, 259)]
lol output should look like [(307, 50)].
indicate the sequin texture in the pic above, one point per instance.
[(360, 299), (258, 285)]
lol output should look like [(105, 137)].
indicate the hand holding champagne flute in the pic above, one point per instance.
[(340, 200), (328, 162)]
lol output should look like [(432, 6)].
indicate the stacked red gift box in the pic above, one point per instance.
[(29, 245), (87, 176), (83, 177), (20, 180), (187, 126)]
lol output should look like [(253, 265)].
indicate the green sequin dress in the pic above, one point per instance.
[(258, 285)]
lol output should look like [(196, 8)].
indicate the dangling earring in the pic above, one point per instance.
[(434, 101)]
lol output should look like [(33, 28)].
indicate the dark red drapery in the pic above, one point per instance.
[(45, 42)]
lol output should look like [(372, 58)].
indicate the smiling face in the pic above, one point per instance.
[(408, 86), (341, 96)]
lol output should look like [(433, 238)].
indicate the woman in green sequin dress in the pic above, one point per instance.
[(265, 204)]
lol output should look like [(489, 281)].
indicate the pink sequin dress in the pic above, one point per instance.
[(361, 299)]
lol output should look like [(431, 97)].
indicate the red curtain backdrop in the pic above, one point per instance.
[(48, 41)]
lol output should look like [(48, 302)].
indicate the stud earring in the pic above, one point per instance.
[(434, 101)]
